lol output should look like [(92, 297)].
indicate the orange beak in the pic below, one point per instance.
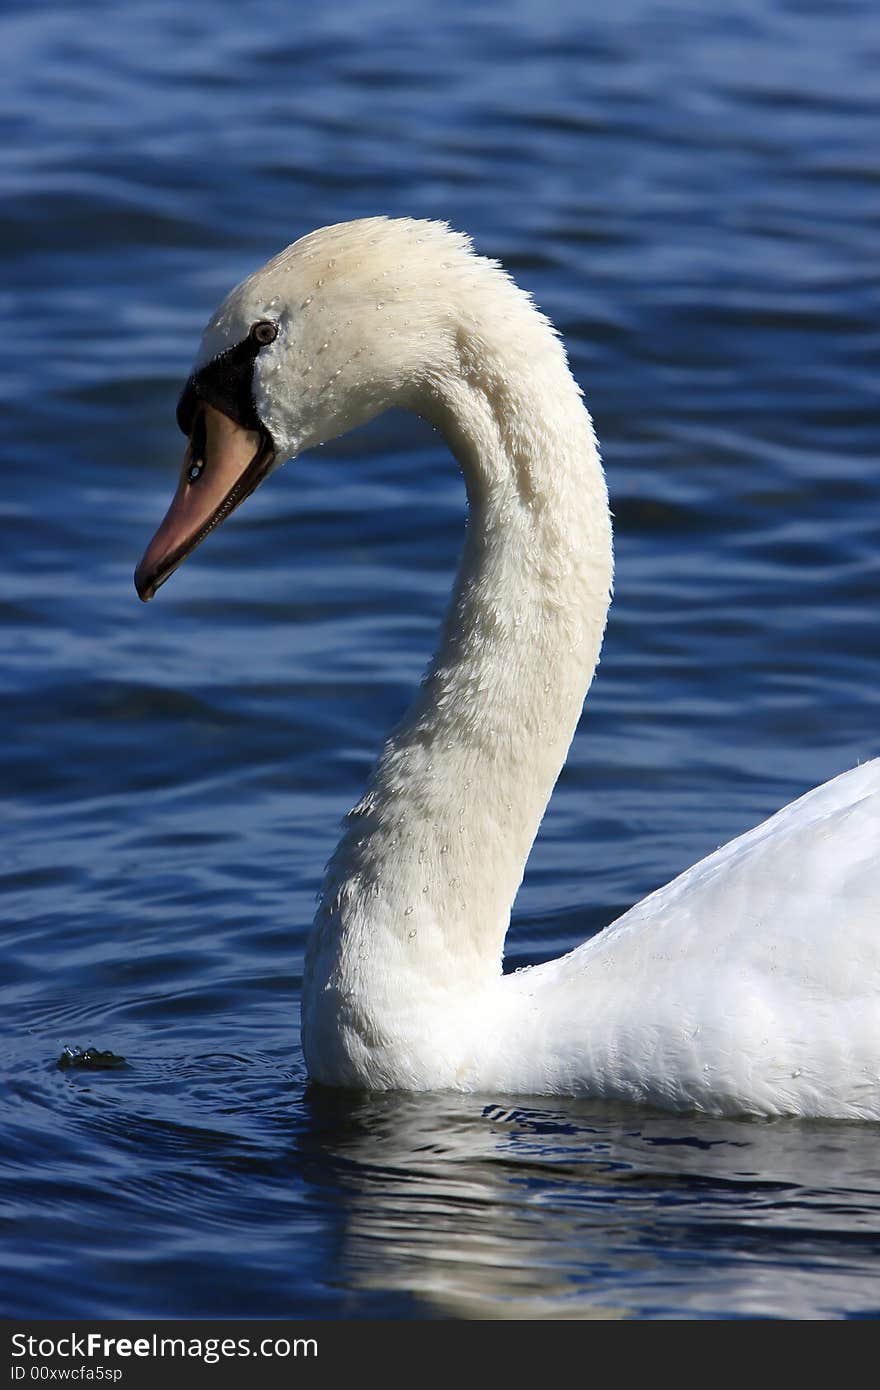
[(223, 464)]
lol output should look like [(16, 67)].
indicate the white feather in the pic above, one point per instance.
[(749, 984)]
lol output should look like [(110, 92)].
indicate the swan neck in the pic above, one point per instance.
[(420, 889)]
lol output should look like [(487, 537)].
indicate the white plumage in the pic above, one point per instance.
[(749, 984)]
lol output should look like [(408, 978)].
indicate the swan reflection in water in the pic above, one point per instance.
[(481, 1209)]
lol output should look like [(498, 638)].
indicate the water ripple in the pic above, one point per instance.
[(690, 192)]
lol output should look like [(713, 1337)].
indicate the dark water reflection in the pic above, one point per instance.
[(578, 1212), (690, 191)]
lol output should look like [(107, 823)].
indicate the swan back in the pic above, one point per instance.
[(749, 983)]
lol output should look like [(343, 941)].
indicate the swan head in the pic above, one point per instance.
[(342, 325)]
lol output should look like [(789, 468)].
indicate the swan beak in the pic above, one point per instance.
[(223, 464)]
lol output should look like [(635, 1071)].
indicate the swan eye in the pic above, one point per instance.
[(264, 332)]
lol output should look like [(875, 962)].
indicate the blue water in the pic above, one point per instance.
[(690, 191)]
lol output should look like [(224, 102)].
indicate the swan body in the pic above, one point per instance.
[(751, 984)]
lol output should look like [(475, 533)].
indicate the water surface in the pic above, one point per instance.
[(690, 192)]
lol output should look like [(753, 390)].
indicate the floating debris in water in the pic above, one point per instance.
[(90, 1059)]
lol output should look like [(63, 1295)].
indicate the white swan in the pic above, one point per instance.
[(749, 984)]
